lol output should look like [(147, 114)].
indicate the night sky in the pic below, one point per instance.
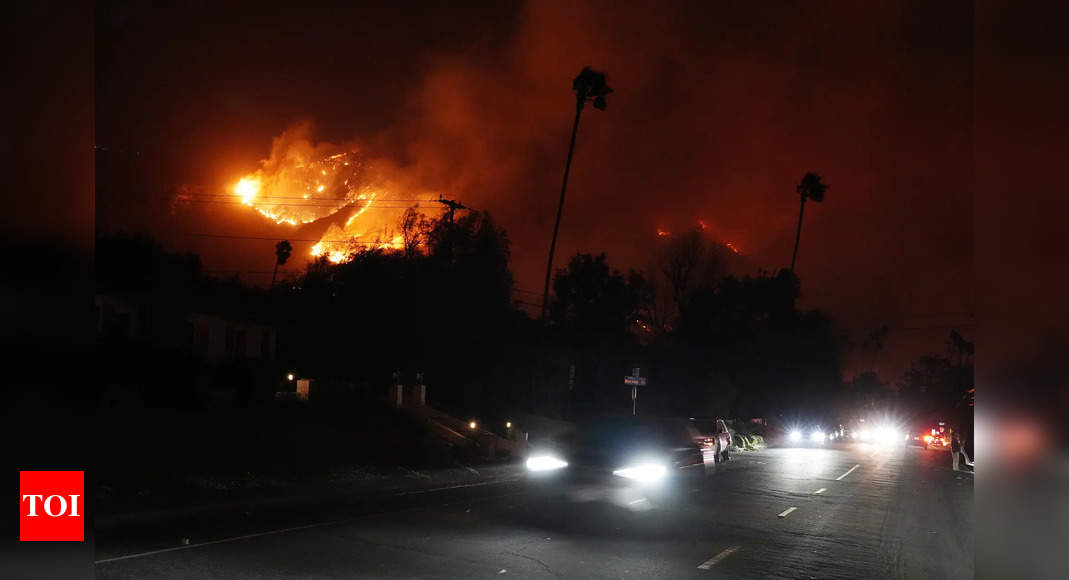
[(719, 109)]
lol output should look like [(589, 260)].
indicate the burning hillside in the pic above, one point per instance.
[(303, 182)]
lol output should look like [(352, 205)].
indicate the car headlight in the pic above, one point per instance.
[(817, 436), (545, 462), (887, 434), (642, 471), (795, 435), (863, 435)]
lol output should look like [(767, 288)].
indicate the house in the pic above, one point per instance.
[(117, 318), (215, 337), (211, 336)]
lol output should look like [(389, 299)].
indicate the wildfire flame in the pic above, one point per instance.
[(302, 182)]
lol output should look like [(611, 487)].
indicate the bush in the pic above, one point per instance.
[(748, 442)]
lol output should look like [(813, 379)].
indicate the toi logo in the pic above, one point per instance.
[(52, 506)]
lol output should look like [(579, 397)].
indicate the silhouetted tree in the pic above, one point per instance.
[(691, 261), (414, 228), (959, 347), (136, 263), (934, 384), (749, 333), (592, 296), (867, 391), (873, 343), (810, 188), (283, 250)]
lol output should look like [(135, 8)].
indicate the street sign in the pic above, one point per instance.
[(636, 381)]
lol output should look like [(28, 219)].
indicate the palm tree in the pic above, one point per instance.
[(588, 86), (282, 253), (809, 188)]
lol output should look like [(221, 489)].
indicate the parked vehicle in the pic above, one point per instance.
[(715, 439), (936, 437)]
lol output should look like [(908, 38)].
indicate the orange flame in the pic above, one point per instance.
[(302, 182)]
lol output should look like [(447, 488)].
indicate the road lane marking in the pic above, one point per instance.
[(213, 542), (821, 490), (449, 487), (848, 472), (634, 501), (786, 512), (717, 558)]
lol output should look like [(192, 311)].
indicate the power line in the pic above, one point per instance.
[(253, 271), (186, 197), (313, 204), (277, 238), (229, 196)]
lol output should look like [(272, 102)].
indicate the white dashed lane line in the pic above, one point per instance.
[(821, 490), (848, 472), (786, 512), (717, 558)]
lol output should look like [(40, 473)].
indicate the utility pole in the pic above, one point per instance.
[(452, 206), (589, 85)]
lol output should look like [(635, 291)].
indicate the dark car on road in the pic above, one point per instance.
[(629, 461)]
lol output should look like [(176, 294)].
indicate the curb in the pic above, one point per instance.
[(111, 521)]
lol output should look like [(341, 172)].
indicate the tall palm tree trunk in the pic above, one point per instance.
[(798, 236), (560, 209)]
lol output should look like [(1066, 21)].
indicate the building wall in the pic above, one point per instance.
[(218, 338), (117, 318)]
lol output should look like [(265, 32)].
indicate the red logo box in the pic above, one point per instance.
[(52, 506)]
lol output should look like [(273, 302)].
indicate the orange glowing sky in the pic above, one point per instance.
[(718, 112)]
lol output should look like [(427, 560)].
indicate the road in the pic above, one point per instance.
[(859, 512)]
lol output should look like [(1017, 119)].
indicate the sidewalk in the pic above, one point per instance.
[(230, 497)]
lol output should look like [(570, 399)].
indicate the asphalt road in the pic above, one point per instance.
[(859, 512)]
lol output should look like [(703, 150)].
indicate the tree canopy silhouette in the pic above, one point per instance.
[(591, 295)]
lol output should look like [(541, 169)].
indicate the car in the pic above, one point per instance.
[(714, 436), (936, 437), (936, 442), (809, 435), (624, 460)]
